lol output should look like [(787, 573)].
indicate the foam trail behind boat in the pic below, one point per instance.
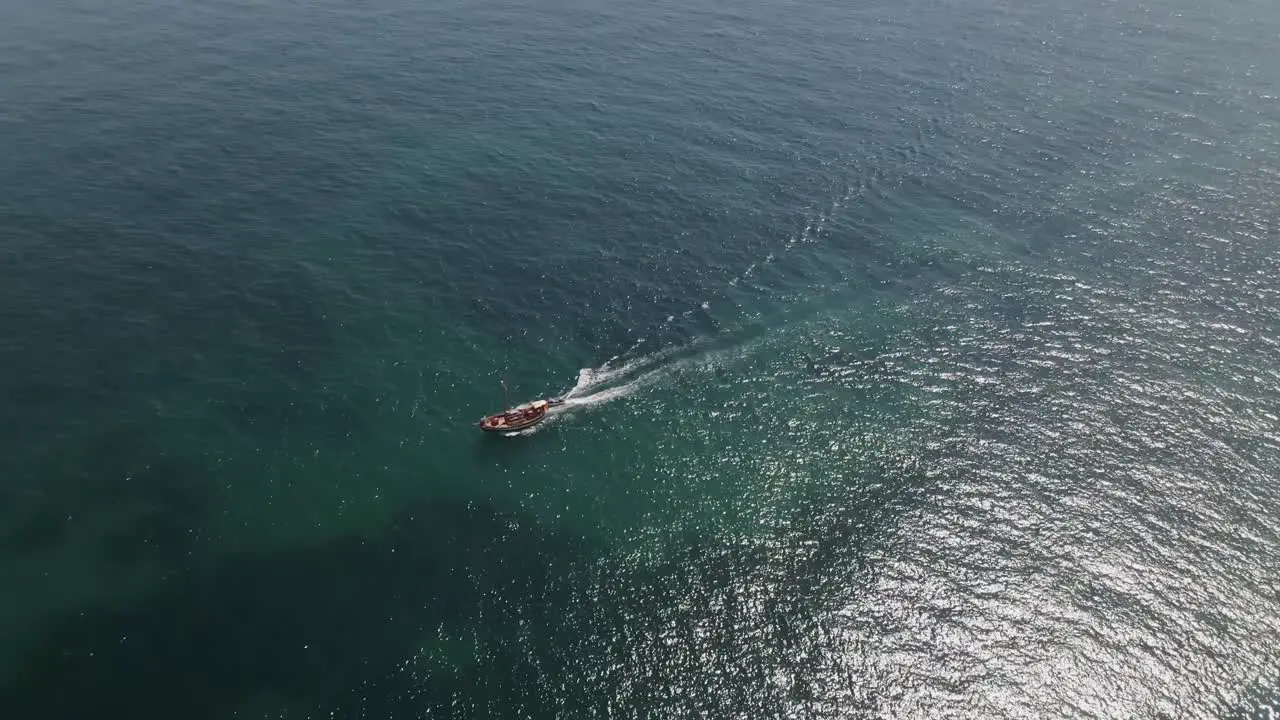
[(608, 378), (596, 386), (600, 397)]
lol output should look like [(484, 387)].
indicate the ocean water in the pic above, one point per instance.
[(923, 359)]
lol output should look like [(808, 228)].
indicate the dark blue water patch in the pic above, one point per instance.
[(143, 500), (315, 625), (114, 318)]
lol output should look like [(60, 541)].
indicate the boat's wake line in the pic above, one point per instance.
[(597, 386), (626, 373)]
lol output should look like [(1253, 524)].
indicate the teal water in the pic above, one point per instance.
[(930, 350)]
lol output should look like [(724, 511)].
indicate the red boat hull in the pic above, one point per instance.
[(515, 419)]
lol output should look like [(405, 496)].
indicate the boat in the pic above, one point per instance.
[(520, 417)]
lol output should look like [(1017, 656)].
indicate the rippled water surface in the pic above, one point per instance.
[(923, 359)]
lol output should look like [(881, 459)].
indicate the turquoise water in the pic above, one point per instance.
[(922, 359)]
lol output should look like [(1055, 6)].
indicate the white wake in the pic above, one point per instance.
[(597, 386)]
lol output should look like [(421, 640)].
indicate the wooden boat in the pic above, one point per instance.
[(520, 417)]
